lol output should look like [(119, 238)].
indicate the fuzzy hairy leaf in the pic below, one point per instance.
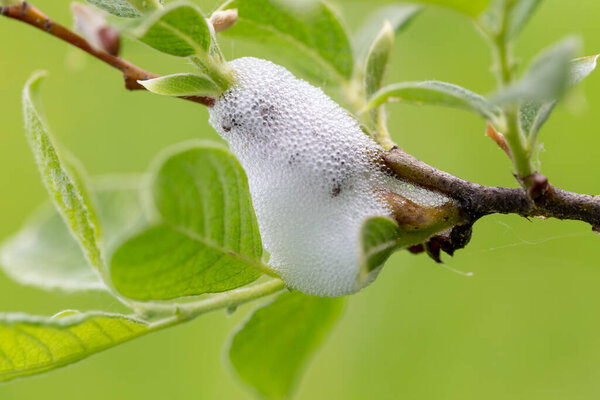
[(272, 348), (183, 84), (307, 33), (547, 78), (533, 114), (520, 13), (146, 5), (397, 15), (208, 240), (120, 8), (378, 59), (581, 68), (179, 29), (435, 93), (376, 67), (31, 345), (64, 185), (45, 254)]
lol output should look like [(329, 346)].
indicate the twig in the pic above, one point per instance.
[(29, 14), (504, 66), (543, 199)]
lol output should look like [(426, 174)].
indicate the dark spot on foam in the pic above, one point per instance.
[(336, 190)]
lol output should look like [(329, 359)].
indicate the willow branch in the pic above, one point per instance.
[(542, 200), (30, 15)]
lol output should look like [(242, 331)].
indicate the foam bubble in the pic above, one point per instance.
[(310, 171)]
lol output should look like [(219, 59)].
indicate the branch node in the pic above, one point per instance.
[(111, 42), (537, 185)]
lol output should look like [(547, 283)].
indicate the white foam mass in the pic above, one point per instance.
[(310, 171)]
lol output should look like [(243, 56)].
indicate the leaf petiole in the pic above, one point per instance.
[(188, 311)]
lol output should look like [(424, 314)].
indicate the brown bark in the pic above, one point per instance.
[(542, 199)]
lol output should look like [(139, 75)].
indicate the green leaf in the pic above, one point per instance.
[(127, 8), (519, 14), (80, 178), (201, 187), (397, 15), (179, 29), (376, 69), (435, 93), (31, 345), (162, 263), (120, 8), (533, 114), (208, 241), (272, 348), (470, 7), (581, 68), (120, 206), (308, 33), (65, 188), (378, 59), (183, 84), (380, 237), (45, 254), (146, 5), (547, 78)]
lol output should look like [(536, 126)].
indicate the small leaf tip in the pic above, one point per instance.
[(38, 75)]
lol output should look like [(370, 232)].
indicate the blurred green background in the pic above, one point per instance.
[(525, 326)]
